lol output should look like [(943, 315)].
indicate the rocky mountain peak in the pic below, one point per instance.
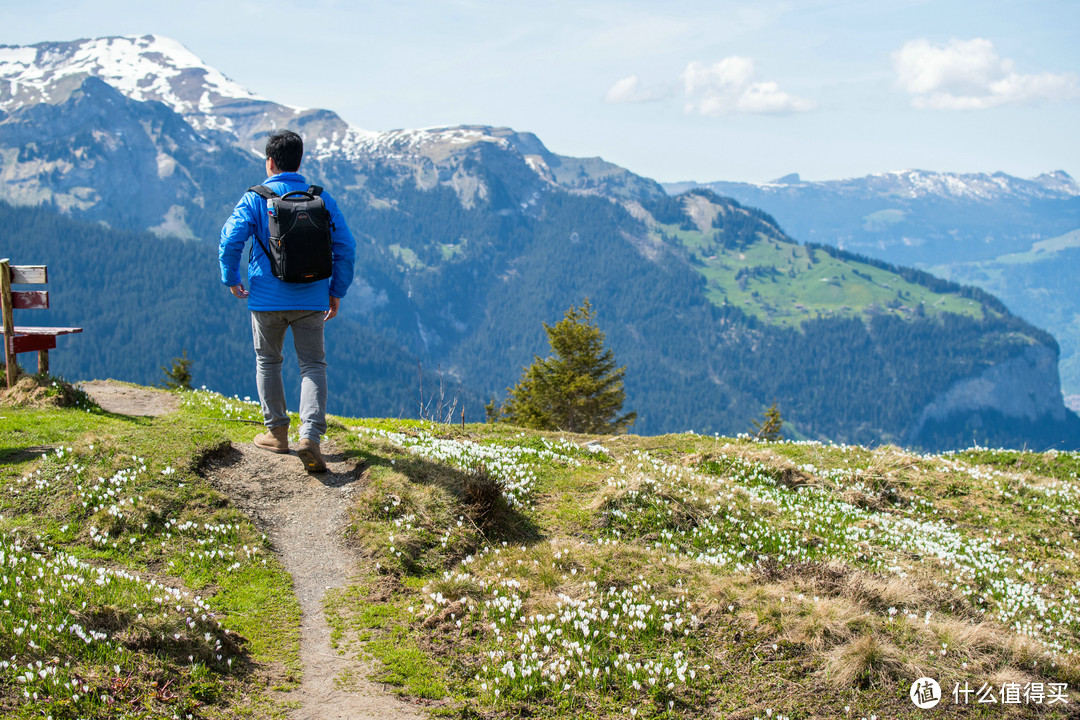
[(1059, 181), (152, 68), (979, 187), (789, 179), (143, 68)]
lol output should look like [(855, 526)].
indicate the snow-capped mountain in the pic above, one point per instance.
[(142, 68), (155, 68), (222, 113), (916, 217), (915, 184)]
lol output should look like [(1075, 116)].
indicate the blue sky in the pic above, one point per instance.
[(679, 90)]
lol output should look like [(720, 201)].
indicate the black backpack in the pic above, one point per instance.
[(300, 249)]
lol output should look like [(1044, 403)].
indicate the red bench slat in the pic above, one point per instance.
[(22, 339), (30, 299), (28, 343)]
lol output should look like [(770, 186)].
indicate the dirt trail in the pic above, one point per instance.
[(304, 515), (127, 400)]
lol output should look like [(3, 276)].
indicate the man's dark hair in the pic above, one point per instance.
[(286, 149)]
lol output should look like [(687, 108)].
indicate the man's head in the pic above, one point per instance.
[(285, 149)]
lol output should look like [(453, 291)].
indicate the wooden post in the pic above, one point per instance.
[(9, 320), (43, 362)]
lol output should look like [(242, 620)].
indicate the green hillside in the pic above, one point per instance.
[(769, 276), (507, 573), (463, 294)]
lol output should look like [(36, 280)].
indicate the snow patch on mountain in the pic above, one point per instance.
[(915, 184), (152, 68), (142, 68), (980, 186), (427, 139)]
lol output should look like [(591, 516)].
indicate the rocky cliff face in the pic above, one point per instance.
[(106, 158), (1025, 388), (187, 131)]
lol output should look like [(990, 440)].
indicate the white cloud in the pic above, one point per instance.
[(631, 90), (969, 75), (730, 86)]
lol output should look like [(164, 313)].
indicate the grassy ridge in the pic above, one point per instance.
[(784, 283), (683, 576), (130, 587), (508, 573)]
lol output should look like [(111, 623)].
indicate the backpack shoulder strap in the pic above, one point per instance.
[(267, 194), (316, 191), (263, 192)]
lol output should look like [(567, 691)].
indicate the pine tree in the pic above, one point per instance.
[(178, 377), (577, 389), (769, 428)]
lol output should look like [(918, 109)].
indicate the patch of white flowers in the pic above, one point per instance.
[(49, 602), (748, 515), (112, 504), (594, 639), (513, 466), (234, 408)]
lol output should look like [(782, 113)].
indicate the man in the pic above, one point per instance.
[(276, 305)]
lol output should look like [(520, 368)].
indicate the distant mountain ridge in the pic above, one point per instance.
[(916, 217), (157, 69), (469, 238), (913, 184)]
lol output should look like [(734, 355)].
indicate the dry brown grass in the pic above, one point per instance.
[(686, 513), (837, 619), (783, 469), (484, 499), (824, 623), (35, 392), (984, 646), (610, 496), (880, 593), (867, 661), (875, 592)]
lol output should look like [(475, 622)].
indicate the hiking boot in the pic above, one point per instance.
[(309, 454), (276, 439)]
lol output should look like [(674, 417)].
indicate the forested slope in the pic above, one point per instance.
[(473, 314)]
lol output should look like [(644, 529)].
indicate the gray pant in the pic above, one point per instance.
[(268, 329)]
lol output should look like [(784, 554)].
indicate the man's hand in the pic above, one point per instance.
[(239, 291), (335, 303)]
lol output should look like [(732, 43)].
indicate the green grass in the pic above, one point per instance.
[(508, 572), (406, 256), (132, 587), (364, 613), (763, 579), (785, 284)]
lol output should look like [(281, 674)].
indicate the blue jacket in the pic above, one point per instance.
[(248, 219)]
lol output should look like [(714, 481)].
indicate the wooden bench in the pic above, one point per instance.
[(19, 339)]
